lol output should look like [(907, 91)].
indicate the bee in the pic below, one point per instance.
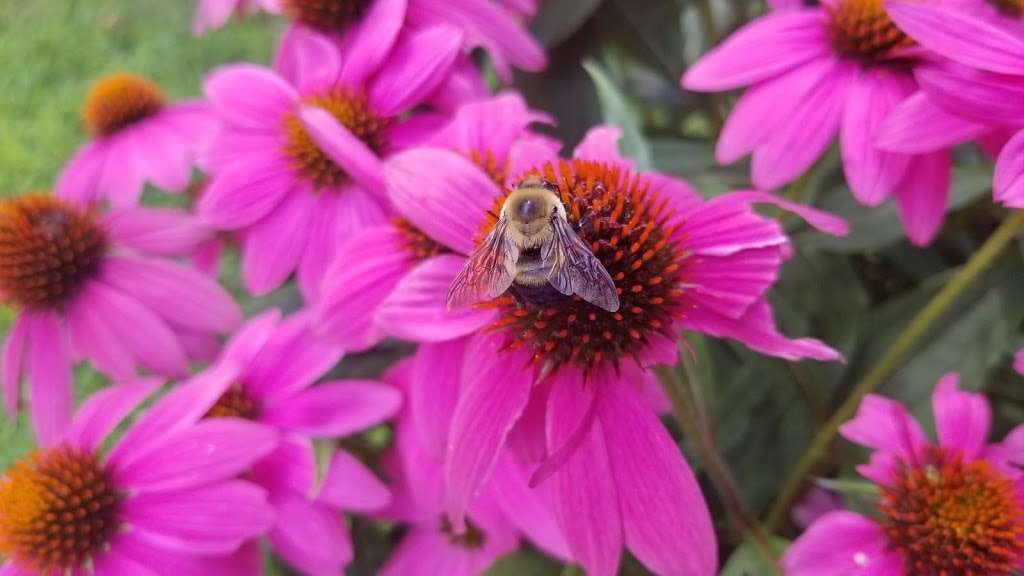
[(532, 247)]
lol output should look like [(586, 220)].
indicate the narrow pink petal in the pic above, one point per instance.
[(183, 296), (163, 231), (665, 521), (882, 468), (416, 130), (291, 467), (433, 392), (105, 410), (530, 153), (763, 49), (342, 147), (840, 544), (79, 179), (249, 96), (334, 409), (495, 389), (113, 562), (211, 14), (164, 154), (884, 424), (213, 519), (531, 510), (273, 246), (248, 341), (351, 486), (442, 194), (586, 495), (93, 337), (310, 536), (823, 221), (243, 193), (983, 97), (464, 85), (48, 367), (372, 41), (493, 124), (416, 309), (923, 196), (1009, 175), (315, 60), (122, 179), (955, 34), (246, 561), (727, 225), (13, 362), (962, 419), (418, 65), (291, 359), (9, 569), (426, 551), (1018, 362), (919, 125), (601, 143)]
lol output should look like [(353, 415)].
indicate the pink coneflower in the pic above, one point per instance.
[(100, 287), (505, 511), (137, 137), (377, 284), (297, 166), (677, 262), (988, 44), (952, 508), (266, 375), (212, 14), (842, 66), (1018, 362), (163, 500)]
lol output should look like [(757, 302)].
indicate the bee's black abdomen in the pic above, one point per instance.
[(539, 296)]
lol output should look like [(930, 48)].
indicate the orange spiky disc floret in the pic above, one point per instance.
[(351, 110), (325, 15), (119, 100), (472, 539), (1010, 7), (631, 231), (48, 248), (954, 518), (57, 509), (235, 403), (862, 29), (419, 245)]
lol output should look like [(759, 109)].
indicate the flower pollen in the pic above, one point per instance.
[(48, 249), (495, 169), (955, 518), (235, 403), (325, 15), (418, 244), (862, 29), (120, 100), (58, 508), (354, 112), (473, 538), (1009, 7), (633, 233)]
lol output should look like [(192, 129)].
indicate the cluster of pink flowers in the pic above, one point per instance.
[(367, 164)]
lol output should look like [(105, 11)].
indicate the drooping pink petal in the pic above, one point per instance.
[(923, 196), (243, 193), (530, 509), (122, 178), (884, 424), (433, 392), (418, 65), (465, 84), (441, 193), (315, 60), (601, 143), (210, 15), (351, 486), (962, 419), (665, 521), (823, 221), (530, 153), (94, 338), (273, 245), (291, 467), (152, 230), (495, 389), (164, 154), (372, 41), (247, 560), (214, 519), (493, 125), (249, 96), (763, 49), (290, 360), (416, 309), (104, 410), (342, 147), (729, 285), (309, 536), (919, 125), (210, 451), (79, 180), (13, 362), (48, 366), (1018, 362), (426, 551), (334, 409), (983, 97), (113, 562), (842, 544), (1008, 181), (248, 341)]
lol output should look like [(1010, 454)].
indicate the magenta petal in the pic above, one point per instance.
[(342, 147), (665, 521), (919, 125), (334, 409), (442, 194), (529, 509), (273, 245), (419, 64), (433, 392), (13, 362), (983, 97), (93, 337), (426, 551), (372, 40), (821, 220), (765, 48), (316, 59), (1018, 362), (243, 193), (310, 536), (884, 424), (923, 196), (249, 96), (290, 360), (210, 451), (840, 544), (350, 485), (122, 178), (1009, 176), (214, 519), (601, 144), (586, 496), (50, 380), (164, 154), (496, 387), (291, 467), (114, 563), (104, 410), (9, 569), (962, 419), (493, 124), (79, 180), (163, 231), (416, 309)]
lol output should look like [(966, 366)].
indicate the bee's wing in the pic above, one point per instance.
[(573, 268), (488, 272)]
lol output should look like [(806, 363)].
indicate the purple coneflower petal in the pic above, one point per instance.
[(726, 226), (442, 194), (886, 425), (79, 180), (230, 147), (494, 394), (333, 409), (351, 486), (113, 563), (983, 97), (13, 362), (290, 360), (765, 48), (923, 195), (122, 177), (160, 231), (104, 410), (93, 337), (729, 285), (274, 244), (291, 467), (820, 220), (249, 96), (316, 62), (244, 193), (918, 125), (425, 551), (9, 569), (962, 419), (602, 144), (494, 125), (342, 147), (1009, 174), (48, 366), (840, 544), (199, 346), (372, 41), (419, 64), (164, 155), (210, 15), (310, 536), (529, 509), (529, 153), (247, 560), (1018, 362), (433, 392), (418, 129), (464, 84)]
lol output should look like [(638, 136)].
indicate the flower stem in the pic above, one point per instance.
[(695, 427), (980, 262)]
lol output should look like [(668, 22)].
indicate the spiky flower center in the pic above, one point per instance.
[(119, 100), (955, 518), (862, 29), (495, 168), (1010, 7), (58, 508), (473, 538), (235, 403), (325, 15), (419, 245), (47, 250), (354, 112), (630, 230)]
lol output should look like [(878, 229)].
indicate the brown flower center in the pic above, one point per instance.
[(354, 112), (235, 403), (57, 509), (1009, 7), (325, 15), (473, 538), (955, 518), (419, 245), (630, 230), (47, 250), (862, 29), (119, 100)]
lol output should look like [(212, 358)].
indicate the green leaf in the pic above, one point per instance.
[(747, 560), (619, 112), (524, 564)]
